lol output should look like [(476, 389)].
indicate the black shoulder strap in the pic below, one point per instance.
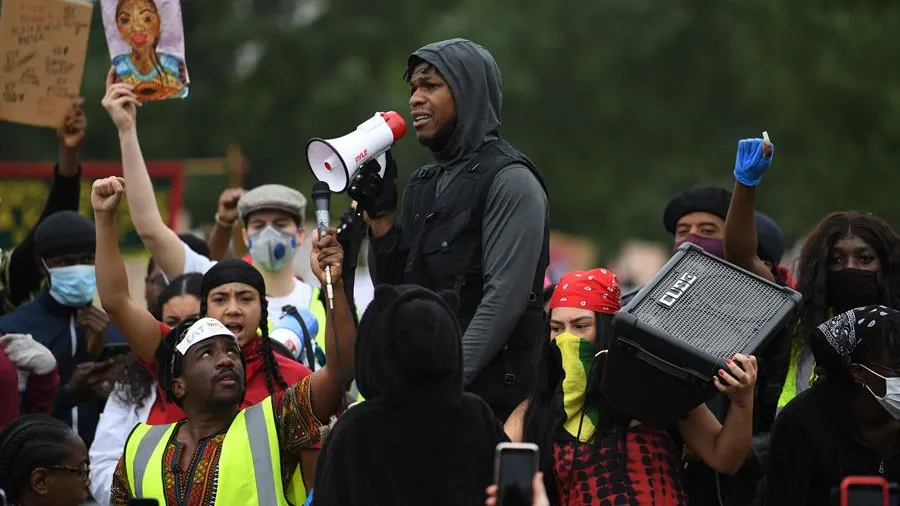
[(307, 339)]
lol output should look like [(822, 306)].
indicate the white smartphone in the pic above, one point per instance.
[(515, 465)]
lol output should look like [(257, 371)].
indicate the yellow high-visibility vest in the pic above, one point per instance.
[(318, 310), (249, 466), (789, 390)]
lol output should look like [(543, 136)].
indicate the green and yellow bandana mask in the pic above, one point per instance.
[(577, 357)]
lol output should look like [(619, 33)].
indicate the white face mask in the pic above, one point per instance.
[(272, 249), (891, 400)]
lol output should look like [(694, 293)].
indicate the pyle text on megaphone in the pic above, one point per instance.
[(336, 161)]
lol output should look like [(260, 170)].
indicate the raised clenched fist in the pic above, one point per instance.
[(107, 193)]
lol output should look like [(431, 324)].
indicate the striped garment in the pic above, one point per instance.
[(577, 357)]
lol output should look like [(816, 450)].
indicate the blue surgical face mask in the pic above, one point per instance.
[(73, 285), (272, 249)]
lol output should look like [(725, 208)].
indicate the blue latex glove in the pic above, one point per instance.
[(749, 163)]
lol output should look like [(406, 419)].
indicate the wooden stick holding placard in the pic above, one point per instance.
[(43, 45)]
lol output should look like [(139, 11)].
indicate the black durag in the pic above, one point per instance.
[(233, 270), (418, 438)]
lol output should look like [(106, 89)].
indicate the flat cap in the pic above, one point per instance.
[(273, 196)]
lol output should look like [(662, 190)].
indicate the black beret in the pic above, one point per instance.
[(707, 199)]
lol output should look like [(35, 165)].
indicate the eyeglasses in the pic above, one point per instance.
[(84, 472)]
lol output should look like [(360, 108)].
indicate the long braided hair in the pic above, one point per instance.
[(270, 365), (239, 271), (27, 443)]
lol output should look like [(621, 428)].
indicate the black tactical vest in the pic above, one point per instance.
[(443, 236)]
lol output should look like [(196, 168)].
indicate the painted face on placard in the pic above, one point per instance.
[(138, 23)]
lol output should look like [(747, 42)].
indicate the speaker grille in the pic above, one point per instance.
[(720, 313)]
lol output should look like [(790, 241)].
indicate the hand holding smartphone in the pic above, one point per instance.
[(515, 465)]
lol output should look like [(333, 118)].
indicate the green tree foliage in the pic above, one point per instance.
[(620, 102)]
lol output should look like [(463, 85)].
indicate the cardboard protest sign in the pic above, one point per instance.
[(146, 44), (43, 44)]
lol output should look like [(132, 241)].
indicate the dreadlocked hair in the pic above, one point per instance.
[(27, 443), (270, 366), (168, 360)]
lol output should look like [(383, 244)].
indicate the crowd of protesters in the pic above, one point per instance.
[(240, 383)]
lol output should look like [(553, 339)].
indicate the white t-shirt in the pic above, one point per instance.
[(300, 296)]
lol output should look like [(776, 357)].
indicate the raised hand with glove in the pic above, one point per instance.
[(375, 195), (752, 159), (28, 354)]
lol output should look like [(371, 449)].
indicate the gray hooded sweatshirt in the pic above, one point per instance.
[(516, 208)]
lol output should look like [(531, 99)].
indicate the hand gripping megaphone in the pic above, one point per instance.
[(336, 161)]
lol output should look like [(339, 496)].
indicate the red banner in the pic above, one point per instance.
[(24, 187)]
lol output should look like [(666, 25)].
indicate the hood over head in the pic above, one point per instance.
[(475, 81), (409, 349)]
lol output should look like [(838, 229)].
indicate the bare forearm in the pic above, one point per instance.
[(218, 241), (135, 322), (163, 243), (740, 227), (112, 277), (141, 201), (733, 442)]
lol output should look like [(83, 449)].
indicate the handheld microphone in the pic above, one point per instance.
[(321, 195)]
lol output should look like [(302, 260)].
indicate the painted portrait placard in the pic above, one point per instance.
[(146, 45)]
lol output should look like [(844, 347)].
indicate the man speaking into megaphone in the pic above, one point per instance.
[(476, 221)]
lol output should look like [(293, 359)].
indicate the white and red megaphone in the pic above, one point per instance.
[(336, 161)]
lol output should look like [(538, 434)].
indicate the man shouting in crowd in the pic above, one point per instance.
[(463, 217)]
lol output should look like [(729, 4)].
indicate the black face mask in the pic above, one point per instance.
[(852, 288)]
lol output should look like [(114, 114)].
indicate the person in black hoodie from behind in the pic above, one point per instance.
[(847, 423), (417, 438)]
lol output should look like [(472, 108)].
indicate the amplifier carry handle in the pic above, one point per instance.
[(657, 362)]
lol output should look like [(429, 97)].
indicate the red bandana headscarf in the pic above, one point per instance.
[(596, 290)]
